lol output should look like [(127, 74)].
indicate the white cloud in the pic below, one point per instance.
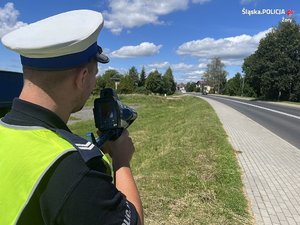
[(183, 67), (143, 49), (197, 72), (162, 65), (190, 77), (9, 19), (179, 67), (134, 13), (187, 72), (233, 62), (232, 49), (202, 65)]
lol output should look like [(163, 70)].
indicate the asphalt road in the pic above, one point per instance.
[(280, 119)]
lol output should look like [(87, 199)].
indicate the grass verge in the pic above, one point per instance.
[(185, 168)]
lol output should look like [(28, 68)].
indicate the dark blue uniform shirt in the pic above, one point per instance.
[(70, 193)]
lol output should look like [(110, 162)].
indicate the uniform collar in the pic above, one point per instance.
[(25, 113)]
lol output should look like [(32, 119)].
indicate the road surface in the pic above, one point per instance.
[(282, 120)]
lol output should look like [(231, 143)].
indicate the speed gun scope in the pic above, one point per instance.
[(111, 115)]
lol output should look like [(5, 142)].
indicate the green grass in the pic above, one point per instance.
[(73, 118), (186, 170), (90, 101)]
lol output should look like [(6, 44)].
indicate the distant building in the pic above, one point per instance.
[(204, 87), (181, 88)]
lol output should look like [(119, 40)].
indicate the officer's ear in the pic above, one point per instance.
[(81, 77)]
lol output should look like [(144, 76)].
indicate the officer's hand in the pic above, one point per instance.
[(120, 150)]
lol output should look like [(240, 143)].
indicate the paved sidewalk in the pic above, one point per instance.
[(270, 165)]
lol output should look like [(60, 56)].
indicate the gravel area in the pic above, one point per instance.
[(85, 114)]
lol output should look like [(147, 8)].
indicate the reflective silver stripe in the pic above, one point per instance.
[(18, 127), (40, 178)]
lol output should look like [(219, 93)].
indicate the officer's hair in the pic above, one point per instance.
[(49, 80)]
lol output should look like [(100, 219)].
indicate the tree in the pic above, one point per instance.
[(154, 82), (234, 85), (215, 75), (252, 77), (126, 85), (273, 71), (169, 83), (100, 84), (190, 87), (133, 73), (142, 79), (107, 78), (237, 86)]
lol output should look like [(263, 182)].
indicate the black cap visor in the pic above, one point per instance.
[(100, 57)]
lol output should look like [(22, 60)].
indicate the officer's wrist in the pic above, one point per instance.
[(117, 164)]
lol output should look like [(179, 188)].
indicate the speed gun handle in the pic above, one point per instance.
[(109, 135)]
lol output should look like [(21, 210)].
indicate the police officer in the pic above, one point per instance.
[(49, 175)]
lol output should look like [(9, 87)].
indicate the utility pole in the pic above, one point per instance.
[(243, 82)]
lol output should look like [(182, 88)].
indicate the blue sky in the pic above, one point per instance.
[(156, 34)]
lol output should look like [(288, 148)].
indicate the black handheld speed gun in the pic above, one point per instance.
[(111, 117)]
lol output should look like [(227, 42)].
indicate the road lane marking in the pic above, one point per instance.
[(260, 107)]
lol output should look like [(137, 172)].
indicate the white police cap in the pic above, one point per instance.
[(59, 42)]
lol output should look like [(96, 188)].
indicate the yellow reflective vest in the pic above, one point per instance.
[(26, 154)]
